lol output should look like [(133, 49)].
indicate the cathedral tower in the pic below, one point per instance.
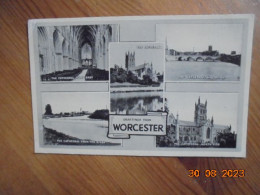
[(200, 113), (129, 60)]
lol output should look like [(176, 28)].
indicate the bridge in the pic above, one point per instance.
[(197, 57)]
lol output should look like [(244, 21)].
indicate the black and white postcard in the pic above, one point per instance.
[(141, 85)]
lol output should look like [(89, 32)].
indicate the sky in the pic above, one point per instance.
[(69, 102), (156, 56), (188, 37), (222, 106)]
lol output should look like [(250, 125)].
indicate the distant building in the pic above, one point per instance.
[(210, 48), (233, 52)]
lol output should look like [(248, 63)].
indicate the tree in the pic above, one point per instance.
[(227, 140), (131, 78), (147, 80), (48, 110)]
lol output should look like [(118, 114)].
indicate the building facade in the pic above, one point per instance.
[(200, 131), (139, 70)]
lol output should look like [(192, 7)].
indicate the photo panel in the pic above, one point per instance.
[(136, 77), (78, 118), (75, 53), (202, 52), (200, 120)]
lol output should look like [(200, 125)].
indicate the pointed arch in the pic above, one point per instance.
[(65, 48), (42, 35)]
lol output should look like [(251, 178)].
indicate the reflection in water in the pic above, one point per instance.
[(136, 102)]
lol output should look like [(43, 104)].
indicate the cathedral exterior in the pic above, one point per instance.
[(139, 70), (200, 131)]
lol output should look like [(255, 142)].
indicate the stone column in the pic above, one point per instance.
[(58, 61), (50, 51), (45, 61), (65, 62)]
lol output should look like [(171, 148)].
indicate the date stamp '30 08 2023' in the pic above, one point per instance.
[(225, 173)]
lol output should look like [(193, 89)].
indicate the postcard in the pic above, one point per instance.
[(141, 85)]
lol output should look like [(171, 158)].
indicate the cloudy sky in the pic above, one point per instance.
[(188, 37), (69, 102), (142, 55), (222, 106)]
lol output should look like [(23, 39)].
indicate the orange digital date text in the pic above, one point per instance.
[(225, 173)]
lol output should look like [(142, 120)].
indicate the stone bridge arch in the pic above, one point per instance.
[(199, 59), (191, 59)]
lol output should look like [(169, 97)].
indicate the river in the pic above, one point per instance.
[(136, 102), (201, 71)]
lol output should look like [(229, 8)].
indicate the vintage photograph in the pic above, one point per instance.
[(78, 118), (136, 77), (136, 102), (75, 53), (201, 52), (200, 120), (136, 66)]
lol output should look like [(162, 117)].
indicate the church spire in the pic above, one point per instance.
[(166, 44)]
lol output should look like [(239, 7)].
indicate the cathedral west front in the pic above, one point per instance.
[(200, 131)]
